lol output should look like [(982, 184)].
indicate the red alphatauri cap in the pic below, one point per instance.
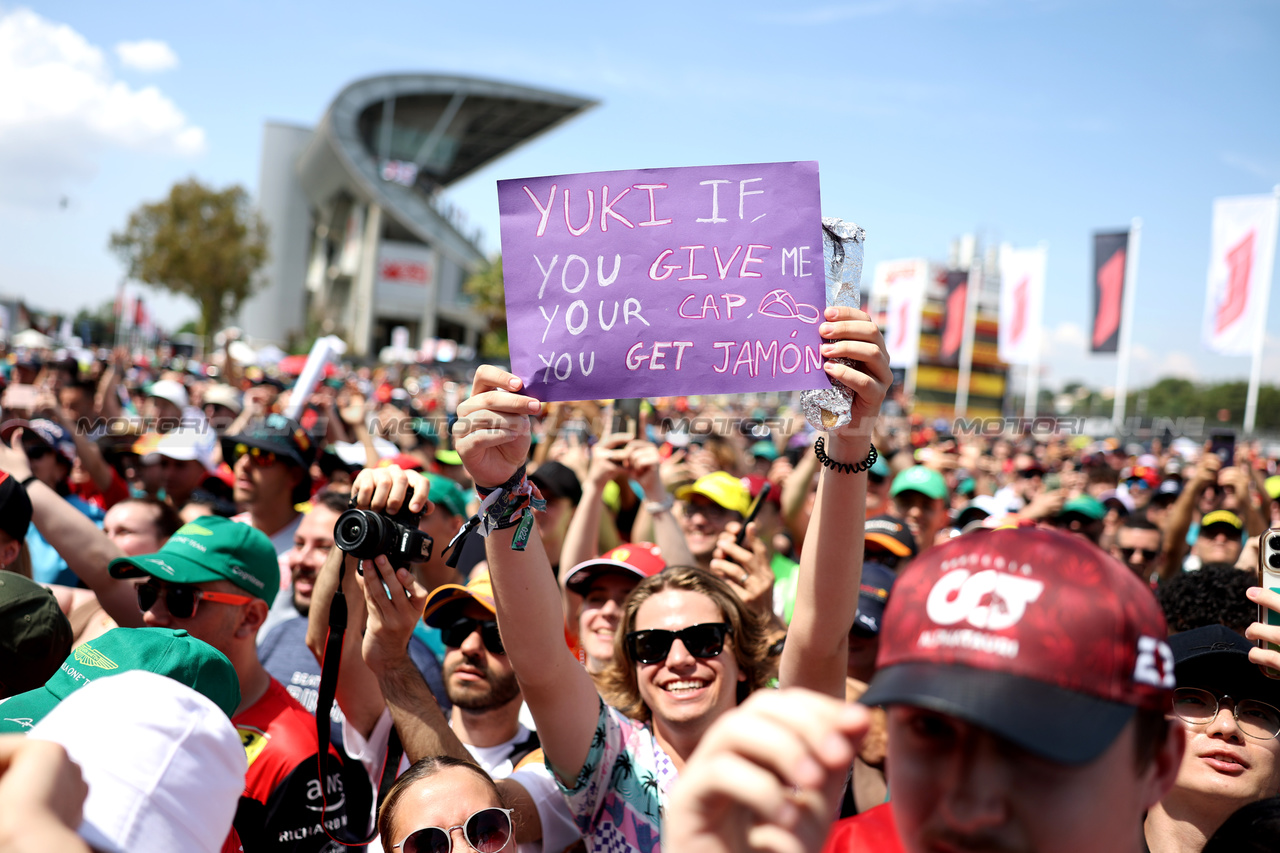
[(1034, 635)]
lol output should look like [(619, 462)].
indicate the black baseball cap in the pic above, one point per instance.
[(282, 436), (1214, 654), (555, 480), (15, 507)]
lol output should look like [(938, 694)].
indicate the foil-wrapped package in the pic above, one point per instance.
[(842, 244)]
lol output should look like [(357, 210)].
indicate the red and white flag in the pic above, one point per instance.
[(1240, 261), (903, 282), (1021, 303)]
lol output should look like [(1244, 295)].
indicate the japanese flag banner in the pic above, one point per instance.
[(1021, 298), (1240, 262)]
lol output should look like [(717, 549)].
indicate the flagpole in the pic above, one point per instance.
[(1126, 321), (966, 345), (1031, 404), (1260, 336)]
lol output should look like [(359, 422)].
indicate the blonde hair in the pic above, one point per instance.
[(748, 640)]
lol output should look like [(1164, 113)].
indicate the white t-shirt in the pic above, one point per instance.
[(558, 829)]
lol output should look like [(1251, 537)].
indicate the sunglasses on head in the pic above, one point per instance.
[(456, 634), (488, 831), (257, 456), (181, 601), (701, 641)]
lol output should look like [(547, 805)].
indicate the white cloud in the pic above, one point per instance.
[(147, 55), (61, 110)]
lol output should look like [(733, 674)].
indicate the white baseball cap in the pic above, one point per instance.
[(164, 765)]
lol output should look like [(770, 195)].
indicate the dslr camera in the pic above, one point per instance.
[(365, 534)]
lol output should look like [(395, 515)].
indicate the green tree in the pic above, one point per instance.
[(202, 243), (486, 288)]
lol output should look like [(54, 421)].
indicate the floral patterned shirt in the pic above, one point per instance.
[(620, 794)]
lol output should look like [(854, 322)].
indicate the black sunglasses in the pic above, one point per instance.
[(488, 831), (701, 641), (36, 451), (1147, 554), (456, 634), (181, 601)]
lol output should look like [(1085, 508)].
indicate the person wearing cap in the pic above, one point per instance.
[(1230, 490), (221, 405), (165, 405), (1140, 546), (704, 509), (173, 653), (690, 651), (1083, 515), (48, 455), (1162, 500), (919, 497), (1038, 726), (889, 541), (35, 636), (163, 764), (216, 579), (601, 586), (185, 457), (271, 459), (1220, 539), (1230, 714)]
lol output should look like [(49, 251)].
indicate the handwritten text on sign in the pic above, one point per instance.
[(656, 282)]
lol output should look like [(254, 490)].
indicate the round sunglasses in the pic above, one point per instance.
[(456, 634), (701, 641), (488, 831), (182, 601)]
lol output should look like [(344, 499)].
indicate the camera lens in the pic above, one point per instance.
[(1273, 560), (360, 533), (1274, 543)]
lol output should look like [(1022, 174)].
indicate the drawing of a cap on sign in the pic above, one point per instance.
[(781, 304)]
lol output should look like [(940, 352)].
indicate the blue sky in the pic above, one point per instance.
[(1019, 120)]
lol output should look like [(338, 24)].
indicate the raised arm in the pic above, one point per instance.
[(492, 437), (81, 543), (582, 540), (816, 653)]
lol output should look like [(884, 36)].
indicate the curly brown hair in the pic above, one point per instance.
[(748, 640)]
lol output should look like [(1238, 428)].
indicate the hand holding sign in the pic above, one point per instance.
[(492, 433)]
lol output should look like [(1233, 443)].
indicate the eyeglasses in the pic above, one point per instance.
[(1147, 554), (488, 831), (701, 641), (1199, 707), (257, 456), (182, 601), (456, 634)]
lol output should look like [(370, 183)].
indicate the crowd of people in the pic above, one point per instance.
[(709, 627)]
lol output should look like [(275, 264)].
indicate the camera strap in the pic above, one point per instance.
[(329, 666)]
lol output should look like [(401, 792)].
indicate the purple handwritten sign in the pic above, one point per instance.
[(655, 282)]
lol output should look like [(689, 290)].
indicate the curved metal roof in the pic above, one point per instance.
[(447, 126)]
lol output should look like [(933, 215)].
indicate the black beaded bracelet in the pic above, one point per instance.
[(820, 450)]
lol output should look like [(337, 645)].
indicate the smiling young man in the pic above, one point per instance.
[(1232, 717)]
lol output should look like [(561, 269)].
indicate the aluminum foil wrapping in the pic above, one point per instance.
[(832, 407)]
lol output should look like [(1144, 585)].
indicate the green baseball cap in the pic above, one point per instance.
[(35, 636), (448, 494), (448, 457), (919, 478), (1086, 505), (209, 549), (170, 652)]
